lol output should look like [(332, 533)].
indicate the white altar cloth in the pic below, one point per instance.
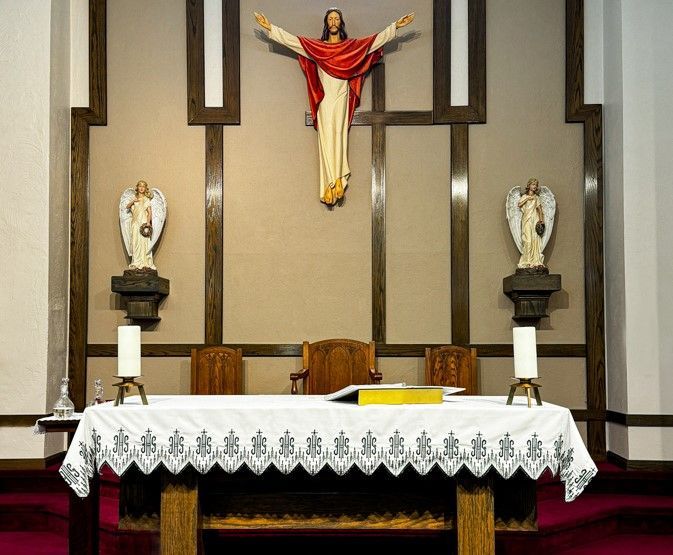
[(305, 430)]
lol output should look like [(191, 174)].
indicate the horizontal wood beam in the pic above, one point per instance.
[(640, 420), (504, 350), (400, 117)]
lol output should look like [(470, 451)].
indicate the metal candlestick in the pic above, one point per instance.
[(124, 386), (527, 384)]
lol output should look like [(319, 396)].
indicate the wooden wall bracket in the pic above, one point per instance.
[(141, 295), (530, 294)]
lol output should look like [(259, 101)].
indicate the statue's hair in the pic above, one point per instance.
[(148, 192), (530, 183), (342, 30)]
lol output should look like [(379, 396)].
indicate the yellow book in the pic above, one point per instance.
[(400, 396), (392, 394)]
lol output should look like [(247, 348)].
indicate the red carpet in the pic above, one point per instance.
[(622, 544)]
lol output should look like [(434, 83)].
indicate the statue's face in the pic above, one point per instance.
[(533, 187), (333, 22), (141, 187)]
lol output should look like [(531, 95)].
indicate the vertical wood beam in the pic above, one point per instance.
[(476, 61), (79, 256), (460, 245), (214, 235), (379, 208), (475, 515), (441, 60), (98, 62), (179, 516)]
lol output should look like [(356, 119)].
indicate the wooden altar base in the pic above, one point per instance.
[(179, 506)]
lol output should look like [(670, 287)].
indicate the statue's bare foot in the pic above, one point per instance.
[(338, 187)]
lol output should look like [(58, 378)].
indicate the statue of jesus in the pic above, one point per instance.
[(335, 67)]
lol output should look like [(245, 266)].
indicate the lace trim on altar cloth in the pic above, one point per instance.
[(339, 452)]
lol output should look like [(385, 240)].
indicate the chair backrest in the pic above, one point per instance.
[(454, 366), (217, 371), (336, 363)]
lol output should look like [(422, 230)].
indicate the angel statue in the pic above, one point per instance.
[(142, 213), (531, 219)]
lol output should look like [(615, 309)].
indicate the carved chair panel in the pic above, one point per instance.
[(217, 371), (452, 366), (332, 364)]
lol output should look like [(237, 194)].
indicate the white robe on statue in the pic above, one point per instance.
[(332, 113), (141, 255), (532, 243)]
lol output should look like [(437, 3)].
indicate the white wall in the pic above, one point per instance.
[(34, 165), (639, 203)]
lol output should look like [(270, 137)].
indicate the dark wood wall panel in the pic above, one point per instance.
[(460, 252), (590, 115), (214, 235), (81, 119)]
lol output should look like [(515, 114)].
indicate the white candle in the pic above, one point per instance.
[(525, 353), (128, 351)]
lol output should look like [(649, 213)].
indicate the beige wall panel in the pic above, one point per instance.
[(562, 379), (409, 61), (269, 375), (147, 137), (402, 370), (417, 235), (525, 137), (161, 376)]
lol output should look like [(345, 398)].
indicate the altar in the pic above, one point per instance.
[(300, 462)]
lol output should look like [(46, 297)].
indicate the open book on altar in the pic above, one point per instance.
[(392, 394)]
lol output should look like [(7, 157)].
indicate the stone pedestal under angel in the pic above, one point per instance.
[(142, 213), (531, 219)]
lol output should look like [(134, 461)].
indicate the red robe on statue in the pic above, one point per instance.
[(348, 60)]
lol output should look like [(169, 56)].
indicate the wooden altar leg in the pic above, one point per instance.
[(179, 527), (83, 521), (476, 521)]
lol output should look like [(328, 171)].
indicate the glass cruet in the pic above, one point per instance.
[(64, 407)]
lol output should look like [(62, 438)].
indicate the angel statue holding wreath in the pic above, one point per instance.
[(142, 213), (531, 219)]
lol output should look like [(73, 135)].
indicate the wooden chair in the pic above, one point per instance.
[(217, 371), (452, 366), (332, 364)]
